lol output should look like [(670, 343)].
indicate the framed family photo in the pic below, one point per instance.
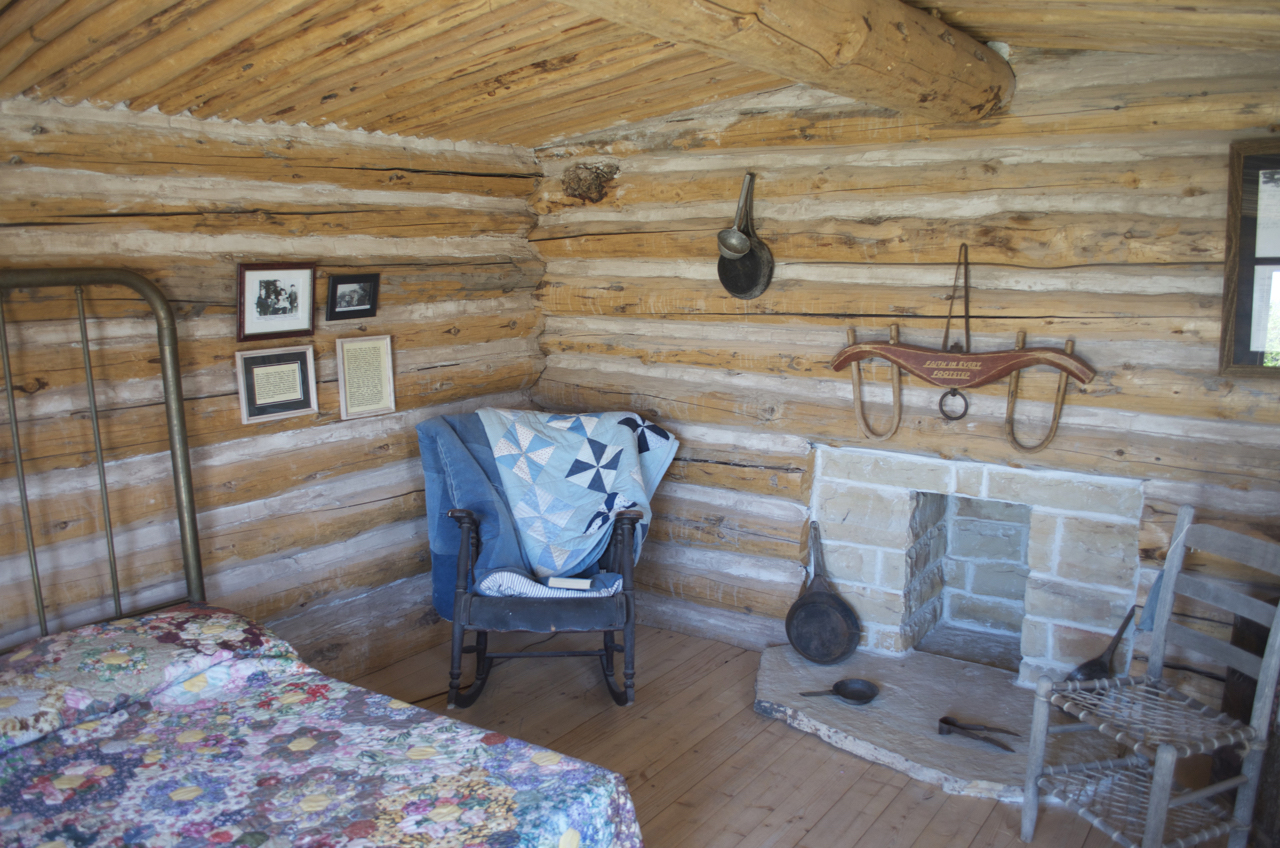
[(352, 296), (275, 301), (277, 383)]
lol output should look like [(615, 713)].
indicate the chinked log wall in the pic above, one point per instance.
[(312, 524), (1094, 210)]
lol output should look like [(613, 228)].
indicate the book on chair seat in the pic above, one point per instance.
[(568, 583)]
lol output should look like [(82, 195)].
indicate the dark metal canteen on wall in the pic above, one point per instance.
[(957, 367)]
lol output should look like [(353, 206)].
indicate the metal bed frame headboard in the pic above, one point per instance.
[(166, 328)]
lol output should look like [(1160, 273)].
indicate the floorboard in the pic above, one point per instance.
[(705, 770)]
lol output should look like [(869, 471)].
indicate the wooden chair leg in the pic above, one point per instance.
[(629, 660), (1035, 757), (610, 647), (625, 693), (1246, 796), (1158, 802), (463, 698), (455, 662)]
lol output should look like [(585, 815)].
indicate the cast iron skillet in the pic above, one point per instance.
[(855, 690), (821, 626)]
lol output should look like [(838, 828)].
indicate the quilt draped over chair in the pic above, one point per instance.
[(545, 489)]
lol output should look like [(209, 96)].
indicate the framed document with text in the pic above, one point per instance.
[(366, 383), (276, 383)]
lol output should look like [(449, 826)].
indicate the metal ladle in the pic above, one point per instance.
[(734, 243)]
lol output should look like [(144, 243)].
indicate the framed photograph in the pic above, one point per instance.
[(275, 301), (1251, 288), (352, 296), (277, 383), (366, 383)]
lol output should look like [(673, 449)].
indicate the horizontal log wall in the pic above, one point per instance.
[(1094, 210), (311, 524)]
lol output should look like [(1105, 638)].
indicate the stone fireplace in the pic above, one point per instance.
[(1044, 563)]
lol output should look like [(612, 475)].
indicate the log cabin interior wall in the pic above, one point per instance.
[(1094, 206), (1094, 210), (308, 523)]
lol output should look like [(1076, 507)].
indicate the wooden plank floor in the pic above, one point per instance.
[(704, 769)]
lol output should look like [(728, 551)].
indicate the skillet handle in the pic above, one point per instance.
[(815, 554)]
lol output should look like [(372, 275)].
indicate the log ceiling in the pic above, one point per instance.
[(526, 72)]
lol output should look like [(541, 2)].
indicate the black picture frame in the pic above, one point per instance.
[(352, 296), (275, 300), (292, 373), (1250, 342)]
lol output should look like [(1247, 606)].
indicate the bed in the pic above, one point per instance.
[(194, 726)]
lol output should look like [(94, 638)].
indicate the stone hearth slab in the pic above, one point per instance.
[(899, 728)]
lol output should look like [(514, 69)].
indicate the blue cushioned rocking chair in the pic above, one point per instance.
[(517, 500), (482, 614)]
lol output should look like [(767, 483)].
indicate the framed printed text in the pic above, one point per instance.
[(278, 383)]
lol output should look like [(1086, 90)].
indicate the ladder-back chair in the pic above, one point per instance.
[(1134, 799)]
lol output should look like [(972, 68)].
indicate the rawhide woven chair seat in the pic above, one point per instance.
[(1144, 713), (1115, 798)]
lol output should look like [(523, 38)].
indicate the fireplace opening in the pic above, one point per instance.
[(975, 570)]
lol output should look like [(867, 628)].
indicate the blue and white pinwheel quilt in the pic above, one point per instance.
[(566, 477)]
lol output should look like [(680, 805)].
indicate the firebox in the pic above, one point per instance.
[(1034, 569)]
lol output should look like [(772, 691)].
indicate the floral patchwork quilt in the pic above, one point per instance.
[(196, 727)]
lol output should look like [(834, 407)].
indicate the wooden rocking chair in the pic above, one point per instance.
[(1134, 799), (483, 614)]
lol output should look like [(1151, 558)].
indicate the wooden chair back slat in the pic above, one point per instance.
[(1223, 652), (1216, 593), (1255, 553)]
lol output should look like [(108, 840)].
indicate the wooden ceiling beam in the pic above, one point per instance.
[(1131, 26), (877, 51)]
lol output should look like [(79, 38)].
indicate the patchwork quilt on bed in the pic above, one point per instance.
[(196, 727)]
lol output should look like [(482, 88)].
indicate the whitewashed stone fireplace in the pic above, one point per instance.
[(887, 527)]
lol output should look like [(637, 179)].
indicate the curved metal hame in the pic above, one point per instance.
[(856, 368), (1069, 347)]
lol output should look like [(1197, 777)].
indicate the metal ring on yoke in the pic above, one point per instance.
[(953, 393)]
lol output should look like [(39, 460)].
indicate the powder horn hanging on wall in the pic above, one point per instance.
[(746, 265)]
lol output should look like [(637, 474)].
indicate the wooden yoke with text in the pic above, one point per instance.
[(963, 370), (955, 370)]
